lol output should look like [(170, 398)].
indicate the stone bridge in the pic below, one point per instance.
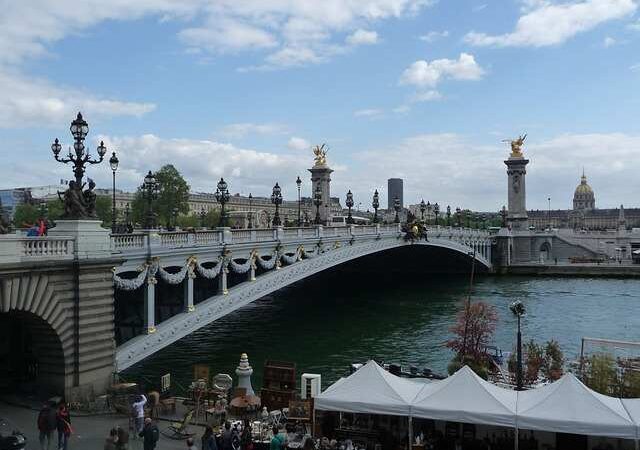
[(60, 295)]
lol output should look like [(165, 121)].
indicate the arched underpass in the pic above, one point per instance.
[(31, 354)]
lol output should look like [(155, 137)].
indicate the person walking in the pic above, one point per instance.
[(277, 442), (246, 438), (149, 435), (123, 439), (209, 439), (63, 424), (111, 443), (47, 424), (191, 445), (227, 437), (138, 412)]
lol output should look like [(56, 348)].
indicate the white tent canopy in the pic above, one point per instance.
[(565, 406), (568, 406), (465, 397), (370, 390)]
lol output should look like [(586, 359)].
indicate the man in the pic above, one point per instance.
[(47, 424), (191, 445), (149, 435), (277, 442), (138, 412), (227, 437)]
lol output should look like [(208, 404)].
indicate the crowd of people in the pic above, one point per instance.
[(54, 419)]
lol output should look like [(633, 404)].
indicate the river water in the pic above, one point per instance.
[(330, 321)]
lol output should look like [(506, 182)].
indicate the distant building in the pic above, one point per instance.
[(584, 214), (394, 190), (11, 198)]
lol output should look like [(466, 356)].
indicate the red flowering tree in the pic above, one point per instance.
[(473, 332)]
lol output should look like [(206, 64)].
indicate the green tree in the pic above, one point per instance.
[(55, 209), (173, 194), (103, 210), (190, 221), (25, 215), (533, 363), (601, 374)]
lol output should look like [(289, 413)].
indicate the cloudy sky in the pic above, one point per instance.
[(424, 90)]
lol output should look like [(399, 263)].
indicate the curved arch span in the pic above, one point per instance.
[(238, 296)]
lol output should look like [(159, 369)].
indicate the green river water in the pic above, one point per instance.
[(330, 321)]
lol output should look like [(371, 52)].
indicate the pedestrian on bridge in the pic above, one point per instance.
[(138, 412), (63, 424), (149, 434)]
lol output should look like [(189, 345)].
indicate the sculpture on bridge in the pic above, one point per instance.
[(516, 146), (320, 154)]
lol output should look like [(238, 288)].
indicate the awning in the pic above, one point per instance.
[(632, 405), (465, 397), (370, 390), (568, 406)]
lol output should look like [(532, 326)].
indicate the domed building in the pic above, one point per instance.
[(583, 197)]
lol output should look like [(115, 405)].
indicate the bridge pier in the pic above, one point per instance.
[(188, 291)]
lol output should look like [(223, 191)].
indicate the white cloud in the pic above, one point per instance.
[(609, 42), (241, 130), (635, 67), (370, 112), (362, 37), (545, 23), (426, 96), (298, 143), (433, 36), (427, 74), (34, 102), (227, 36)]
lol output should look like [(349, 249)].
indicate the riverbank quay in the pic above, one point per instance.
[(90, 432), (605, 270)]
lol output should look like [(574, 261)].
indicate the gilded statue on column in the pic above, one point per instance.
[(516, 146), (320, 154)]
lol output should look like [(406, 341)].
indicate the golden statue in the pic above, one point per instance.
[(320, 154), (516, 146)]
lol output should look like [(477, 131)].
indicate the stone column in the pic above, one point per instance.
[(222, 278), (321, 176), (188, 290), (150, 305), (517, 206)]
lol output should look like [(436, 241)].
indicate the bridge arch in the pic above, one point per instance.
[(242, 294)]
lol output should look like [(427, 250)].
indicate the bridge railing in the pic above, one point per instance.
[(22, 248)]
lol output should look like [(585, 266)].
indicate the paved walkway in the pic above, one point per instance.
[(89, 432)]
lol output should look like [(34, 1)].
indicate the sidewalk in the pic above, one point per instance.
[(90, 432)]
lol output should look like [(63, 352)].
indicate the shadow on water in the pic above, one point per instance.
[(394, 307)]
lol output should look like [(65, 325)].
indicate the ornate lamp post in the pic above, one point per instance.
[(503, 216), (518, 310), (174, 214), (396, 207), (299, 183), (222, 196), (78, 204), (448, 215), (376, 205), (317, 201), (113, 162), (127, 215), (458, 221), (250, 224), (436, 211), (429, 207), (423, 208), (149, 191), (276, 199), (349, 203), (203, 216)]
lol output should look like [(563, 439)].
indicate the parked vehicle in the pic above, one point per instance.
[(10, 437)]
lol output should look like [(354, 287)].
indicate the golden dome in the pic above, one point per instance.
[(583, 187)]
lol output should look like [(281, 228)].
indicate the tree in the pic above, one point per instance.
[(601, 375), (174, 194), (533, 363), (553, 361), (473, 332), (103, 210), (25, 215)]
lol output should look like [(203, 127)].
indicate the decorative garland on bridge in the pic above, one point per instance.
[(244, 267), (212, 272), (270, 263), (295, 256), (132, 284)]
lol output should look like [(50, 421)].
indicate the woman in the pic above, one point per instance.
[(63, 422), (209, 439), (246, 439)]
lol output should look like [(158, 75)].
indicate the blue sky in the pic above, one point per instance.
[(419, 89)]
